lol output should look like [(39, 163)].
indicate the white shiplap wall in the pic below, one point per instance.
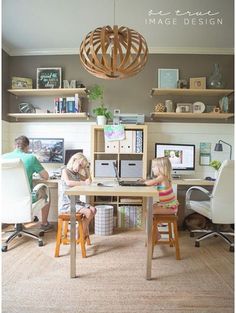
[(78, 135)]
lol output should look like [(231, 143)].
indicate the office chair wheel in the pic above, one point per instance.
[(191, 234), (197, 244), (41, 233), (40, 243), (4, 248), (231, 249)]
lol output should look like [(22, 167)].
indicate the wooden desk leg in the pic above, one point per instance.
[(149, 239), (72, 238)]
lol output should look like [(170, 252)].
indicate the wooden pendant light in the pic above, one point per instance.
[(113, 53)]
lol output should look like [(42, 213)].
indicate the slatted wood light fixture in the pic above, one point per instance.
[(113, 53)]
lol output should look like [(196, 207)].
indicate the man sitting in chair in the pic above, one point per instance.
[(40, 193)]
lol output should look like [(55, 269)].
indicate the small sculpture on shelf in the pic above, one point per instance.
[(159, 107), (215, 81), (26, 108)]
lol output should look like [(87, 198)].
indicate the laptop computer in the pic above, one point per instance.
[(127, 182)]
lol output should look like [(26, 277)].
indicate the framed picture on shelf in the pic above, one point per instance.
[(184, 108), (198, 83), (168, 77), (48, 77)]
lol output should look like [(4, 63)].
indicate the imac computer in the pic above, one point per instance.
[(181, 156)]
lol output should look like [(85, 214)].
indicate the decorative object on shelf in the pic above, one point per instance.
[(198, 83), (224, 104), (198, 107), (182, 84), (67, 84), (169, 105), (168, 77), (101, 112), (114, 132), (26, 108), (49, 77), (216, 109), (219, 147), (184, 108), (113, 52), (215, 81), (159, 107), (21, 83)]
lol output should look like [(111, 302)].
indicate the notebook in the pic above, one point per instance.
[(127, 182)]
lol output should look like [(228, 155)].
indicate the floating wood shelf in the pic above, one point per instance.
[(48, 92), (173, 116), (17, 116), (191, 92)]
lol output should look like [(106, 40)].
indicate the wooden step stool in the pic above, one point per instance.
[(62, 233), (171, 221)]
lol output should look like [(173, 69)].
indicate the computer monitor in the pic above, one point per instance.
[(70, 152), (47, 150), (181, 156)]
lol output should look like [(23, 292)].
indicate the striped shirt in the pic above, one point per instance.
[(167, 197)]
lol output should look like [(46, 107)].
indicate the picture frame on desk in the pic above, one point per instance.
[(49, 77), (168, 78)]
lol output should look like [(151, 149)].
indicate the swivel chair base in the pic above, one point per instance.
[(215, 233), (18, 232)]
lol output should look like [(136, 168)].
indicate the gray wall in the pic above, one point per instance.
[(5, 84), (129, 95)]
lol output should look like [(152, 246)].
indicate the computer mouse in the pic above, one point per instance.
[(208, 178), (99, 184)]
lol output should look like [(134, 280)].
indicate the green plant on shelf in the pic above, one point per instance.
[(96, 93)]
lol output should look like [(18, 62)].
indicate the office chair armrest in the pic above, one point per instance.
[(194, 188)]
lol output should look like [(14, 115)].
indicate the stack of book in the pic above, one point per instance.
[(67, 104)]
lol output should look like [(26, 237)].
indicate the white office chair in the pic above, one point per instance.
[(220, 206), (16, 200)]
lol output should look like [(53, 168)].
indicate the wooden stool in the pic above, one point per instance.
[(171, 221), (62, 233)]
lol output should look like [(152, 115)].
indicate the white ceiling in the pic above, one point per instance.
[(34, 27)]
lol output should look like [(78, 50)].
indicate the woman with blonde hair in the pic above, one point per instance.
[(76, 173)]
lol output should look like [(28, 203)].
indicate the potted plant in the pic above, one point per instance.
[(216, 165), (101, 112)]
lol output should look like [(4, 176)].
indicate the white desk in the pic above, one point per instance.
[(91, 190)]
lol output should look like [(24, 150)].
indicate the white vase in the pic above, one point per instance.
[(101, 120)]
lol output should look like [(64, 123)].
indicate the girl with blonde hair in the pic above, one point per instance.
[(76, 173), (168, 204)]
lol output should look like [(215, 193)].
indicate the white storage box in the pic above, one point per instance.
[(131, 168), (104, 168), (104, 220)]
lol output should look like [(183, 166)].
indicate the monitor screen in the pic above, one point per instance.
[(70, 152), (181, 156), (47, 150)]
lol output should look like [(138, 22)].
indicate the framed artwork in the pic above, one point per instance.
[(198, 83), (48, 77), (21, 83), (205, 153), (47, 150), (168, 77), (184, 107)]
